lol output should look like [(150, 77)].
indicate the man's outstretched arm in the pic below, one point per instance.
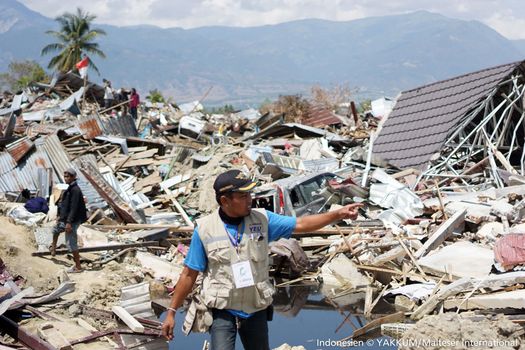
[(312, 223)]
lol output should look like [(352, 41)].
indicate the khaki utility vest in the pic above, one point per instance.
[(218, 288)]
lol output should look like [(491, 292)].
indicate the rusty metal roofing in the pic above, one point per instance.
[(19, 148), (319, 116), (117, 203), (90, 126), (423, 117)]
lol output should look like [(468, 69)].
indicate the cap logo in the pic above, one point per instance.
[(225, 188)]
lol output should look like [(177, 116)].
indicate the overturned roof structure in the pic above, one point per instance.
[(451, 124)]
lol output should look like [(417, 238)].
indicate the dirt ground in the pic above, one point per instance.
[(96, 288), (452, 331)]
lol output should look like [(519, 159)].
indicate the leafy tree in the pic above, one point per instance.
[(155, 96), (295, 107), (331, 98), (75, 39), (365, 105), (21, 73)]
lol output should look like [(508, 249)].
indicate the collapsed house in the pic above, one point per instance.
[(460, 126)]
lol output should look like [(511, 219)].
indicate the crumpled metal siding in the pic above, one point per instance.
[(90, 126), (117, 203), (19, 148), (7, 163), (123, 126), (113, 182), (31, 174), (60, 160)]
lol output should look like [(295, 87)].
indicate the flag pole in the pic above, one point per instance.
[(84, 95)]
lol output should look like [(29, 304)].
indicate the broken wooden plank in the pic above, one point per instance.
[(137, 149), (172, 228), (101, 248), (146, 154), (443, 232), (179, 208), (370, 326), (128, 319)]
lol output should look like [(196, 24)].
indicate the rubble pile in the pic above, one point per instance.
[(445, 239)]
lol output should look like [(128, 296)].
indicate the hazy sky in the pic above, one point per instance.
[(505, 16)]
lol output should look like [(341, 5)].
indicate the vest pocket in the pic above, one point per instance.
[(216, 296), (263, 295), (219, 251)]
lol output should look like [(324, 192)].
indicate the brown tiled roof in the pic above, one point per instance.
[(423, 117)]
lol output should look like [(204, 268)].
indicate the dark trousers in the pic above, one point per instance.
[(133, 112), (253, 331)]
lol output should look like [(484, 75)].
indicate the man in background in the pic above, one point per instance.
[(71, 213)]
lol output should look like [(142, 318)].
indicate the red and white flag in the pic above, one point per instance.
[(82, 66)]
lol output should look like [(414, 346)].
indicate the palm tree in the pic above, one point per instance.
[(75, 39)]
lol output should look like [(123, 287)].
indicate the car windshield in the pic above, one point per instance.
[(308, 188)]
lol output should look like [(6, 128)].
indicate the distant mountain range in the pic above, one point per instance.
[(377, 56)]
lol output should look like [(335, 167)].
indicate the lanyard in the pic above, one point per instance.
[(236, 241)]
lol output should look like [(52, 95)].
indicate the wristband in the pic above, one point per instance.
[(172, 309)]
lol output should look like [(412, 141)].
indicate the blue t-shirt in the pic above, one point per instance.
[(279, 226)]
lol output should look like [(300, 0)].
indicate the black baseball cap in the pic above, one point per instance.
[(233, 181)]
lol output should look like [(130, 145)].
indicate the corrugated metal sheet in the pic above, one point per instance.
[(7, 163), (19, 148), (300, 130), (319, 116), (94, 199), (423, 117), (113, 182), (115, 201), (116, 140), (123, 126), (43, 129), (321, 165), (60, 160), (33, 173), (90, 126)]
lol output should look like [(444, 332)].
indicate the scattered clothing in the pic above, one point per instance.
[(37, 205)]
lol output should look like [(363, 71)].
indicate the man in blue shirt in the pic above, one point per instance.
[(230, 248)]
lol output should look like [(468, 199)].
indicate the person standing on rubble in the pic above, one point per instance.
[(230, 248), (108, 94), (71, 213), (134, 103)]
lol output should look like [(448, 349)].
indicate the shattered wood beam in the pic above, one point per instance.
[(22, 335), (491, 282), (108, 193), (101, 248)]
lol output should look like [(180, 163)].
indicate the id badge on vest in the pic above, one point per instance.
[(242, 274)]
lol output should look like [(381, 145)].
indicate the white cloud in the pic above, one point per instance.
[(507, 17)]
